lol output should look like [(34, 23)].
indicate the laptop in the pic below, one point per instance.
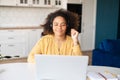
[(59, 67)]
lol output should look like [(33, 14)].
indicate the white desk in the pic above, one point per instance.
[(26, 71), (17, 71)]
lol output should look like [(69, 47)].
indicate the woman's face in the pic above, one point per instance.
[(59, 26)]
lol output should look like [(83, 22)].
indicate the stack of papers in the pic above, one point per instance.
[(101, 76)]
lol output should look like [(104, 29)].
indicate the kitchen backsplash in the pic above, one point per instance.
[(23, 16)]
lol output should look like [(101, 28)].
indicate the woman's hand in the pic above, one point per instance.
[(74, 35)]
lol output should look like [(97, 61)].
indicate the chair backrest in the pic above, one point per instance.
[(110, 45)]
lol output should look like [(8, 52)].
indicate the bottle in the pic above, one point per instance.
[(0, 57), (49, 2), (21, 1), (56, 2), (33, 1), (25, 2), (45, 2), (37, 1), (59, 2)]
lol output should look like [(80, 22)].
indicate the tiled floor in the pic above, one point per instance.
[(15, 60)]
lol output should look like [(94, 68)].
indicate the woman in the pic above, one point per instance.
[(60, 35)]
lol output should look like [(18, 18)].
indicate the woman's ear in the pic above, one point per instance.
[(51, 25)]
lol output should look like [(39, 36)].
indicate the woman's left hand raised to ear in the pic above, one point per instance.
[(74, 35)]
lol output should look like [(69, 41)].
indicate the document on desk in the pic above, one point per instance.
[(102, 76)]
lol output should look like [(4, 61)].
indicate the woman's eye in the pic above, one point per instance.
[(55, 24), (63, 24)]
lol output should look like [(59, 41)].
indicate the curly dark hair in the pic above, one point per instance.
[(72, 20)]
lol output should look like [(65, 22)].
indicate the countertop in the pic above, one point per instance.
[(13, 60), (9, 28)]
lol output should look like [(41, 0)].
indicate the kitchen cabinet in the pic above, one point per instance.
[(15, 49), (23, 3), (12, 36), (33, 36), (59, 3), (15, 42), (7, 3), (32, 3), (29, 3)]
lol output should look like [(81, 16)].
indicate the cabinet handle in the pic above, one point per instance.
[(10, 30), (45, 2), (16, 4), (10, 38), (34, 30), (11, 45)]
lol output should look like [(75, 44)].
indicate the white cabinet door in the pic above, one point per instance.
[(18, 42), (8, 2), (46, 3), (15, 49), (14, 42), (88, 24), (12, 36), (34, 36), (23, 2), (35, 3)]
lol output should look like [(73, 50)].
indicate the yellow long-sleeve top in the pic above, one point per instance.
[(47, 45)]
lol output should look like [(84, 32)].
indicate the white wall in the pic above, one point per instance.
[(23, 16)]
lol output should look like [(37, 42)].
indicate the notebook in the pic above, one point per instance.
[(59, 67)]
